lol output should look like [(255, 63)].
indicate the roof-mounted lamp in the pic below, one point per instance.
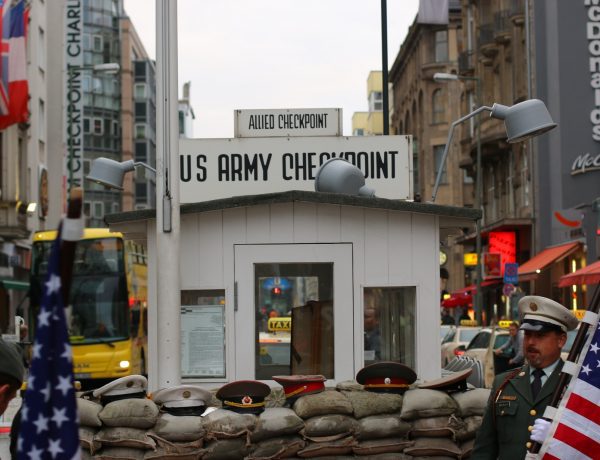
[(337, 175), (109, 173)]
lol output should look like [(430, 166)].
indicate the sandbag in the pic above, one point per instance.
[(88, 413), (132, 413), (225, 449), (470, 427), (472, 402), (160, 454), (86, 439), (329, 425), (276, 448), (467, 448), (382, 426), (325, 403), (224, 424), (276, 398), (431, 447), (121, 436), (332, 448), (274, 422), (421, 403), (179, 451), (120, 453), (382, 446), (349, 385), (365, 403), (179, 428), (433, 427)]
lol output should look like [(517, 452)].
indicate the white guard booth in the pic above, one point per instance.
[(301, 282)]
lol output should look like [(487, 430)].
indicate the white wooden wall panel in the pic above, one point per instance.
[(376, 250), (282, 222), (258, 224), (352, 220), (400, 248), (426, 271), (328, 223), (190, 259), (234, 232), (152, 312), (305, 222), (210, 244)]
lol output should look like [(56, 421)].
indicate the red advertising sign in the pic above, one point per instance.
[(491, 265), (505, 244)]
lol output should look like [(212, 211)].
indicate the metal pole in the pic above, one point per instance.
[(166, 344), (384, 65), (478, 204), (70, 127)]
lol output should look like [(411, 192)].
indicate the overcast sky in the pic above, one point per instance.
[(273, 54)]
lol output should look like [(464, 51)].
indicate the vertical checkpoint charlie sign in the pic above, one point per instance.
[(220, 168), (288, 122)]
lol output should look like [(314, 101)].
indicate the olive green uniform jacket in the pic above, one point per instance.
[(510, 414)]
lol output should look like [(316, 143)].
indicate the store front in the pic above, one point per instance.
[(302, 283)]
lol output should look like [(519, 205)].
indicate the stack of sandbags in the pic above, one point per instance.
[(471, 406), (89, 424), (379, 430), (434, 423)]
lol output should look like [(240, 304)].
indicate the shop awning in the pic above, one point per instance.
[(472, 288), (530, 269), (15, 285), (585, 275), (457, 300)]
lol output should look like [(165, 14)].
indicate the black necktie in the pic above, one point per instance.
[(536, 385)]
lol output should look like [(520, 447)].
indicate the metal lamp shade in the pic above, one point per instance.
[(524, 120), (109, 172), (340, 176)]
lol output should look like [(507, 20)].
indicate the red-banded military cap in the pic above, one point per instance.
[(386, 377), (244, 396), (457, 381), (295, 386)]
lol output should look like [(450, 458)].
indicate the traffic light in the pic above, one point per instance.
[(276, 291)]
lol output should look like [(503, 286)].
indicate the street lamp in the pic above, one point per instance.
[(109, 173), (522, 121), (109, 68)]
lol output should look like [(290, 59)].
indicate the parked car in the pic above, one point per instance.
[(482, 348), (454, 339), (444, 329)]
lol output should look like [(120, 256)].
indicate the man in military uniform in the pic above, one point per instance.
[(521, 395)]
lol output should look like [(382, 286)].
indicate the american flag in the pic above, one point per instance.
[(49, 421), (575, 434)]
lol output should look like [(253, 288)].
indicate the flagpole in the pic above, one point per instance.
[(71, 230), (578, 345)]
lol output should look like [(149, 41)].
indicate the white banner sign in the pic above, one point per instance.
[(288, 122), (220, 168)]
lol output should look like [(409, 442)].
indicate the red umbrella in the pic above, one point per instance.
[(585, 275)]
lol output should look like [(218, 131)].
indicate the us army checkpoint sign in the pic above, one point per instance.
[(221, 168)]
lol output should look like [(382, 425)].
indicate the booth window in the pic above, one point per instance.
[(294, 319), (203, 334), (389, 324)]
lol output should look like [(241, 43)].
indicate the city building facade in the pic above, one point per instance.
[(371, 123)]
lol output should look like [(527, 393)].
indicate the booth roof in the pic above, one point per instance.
[(303, 196)]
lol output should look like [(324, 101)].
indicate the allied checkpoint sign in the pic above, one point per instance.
[(221, 168), (287, 122)]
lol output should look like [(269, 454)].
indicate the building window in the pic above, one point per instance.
[(441, 46), (524, 179), (141, 190), (359, 132), (141, 110), (139, 91), (437, 107), (300, 294), (97, 210), (376, 101), (389, 324), (97, 127), (140, 131), (140, 70), (97, 43), (141, 151), (466, 178), (438, 152)]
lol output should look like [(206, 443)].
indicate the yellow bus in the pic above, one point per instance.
[(106, 313)]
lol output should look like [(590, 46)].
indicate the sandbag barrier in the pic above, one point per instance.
[(341, 422)]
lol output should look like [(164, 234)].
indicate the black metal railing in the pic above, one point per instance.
[(502, 21), (466, 62), (517, 7), (486, 34)]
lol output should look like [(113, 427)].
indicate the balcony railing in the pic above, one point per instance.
[(486, 34), (517, 7), (466, 62), (502, 21)]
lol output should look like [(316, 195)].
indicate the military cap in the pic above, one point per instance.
[(542, 314), (182, 400), (457, 381), (132, 386), (244, 396), (386, 377), (12, 362), (295, 386)]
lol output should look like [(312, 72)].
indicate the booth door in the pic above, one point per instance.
[(294, 311)]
